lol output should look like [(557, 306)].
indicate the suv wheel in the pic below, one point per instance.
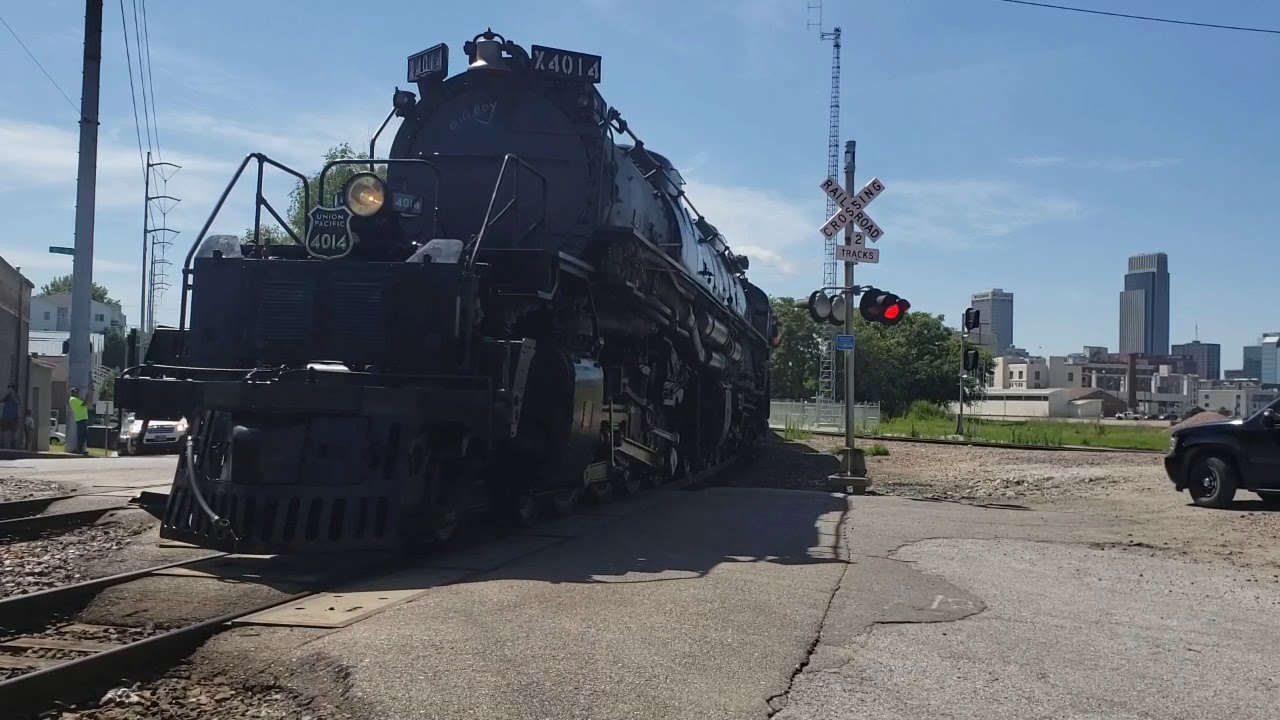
[(1212, 482)]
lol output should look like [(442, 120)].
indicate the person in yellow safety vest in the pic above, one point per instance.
[(80, 413)]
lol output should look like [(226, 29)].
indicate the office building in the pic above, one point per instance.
[(1253, 362), (1270, 358), (1207, 356), (1144, 305), (995, 308)]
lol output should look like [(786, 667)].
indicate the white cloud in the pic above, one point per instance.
[(301, 149), (963, 214), (766, 227), (34, 155), (1108, 164)]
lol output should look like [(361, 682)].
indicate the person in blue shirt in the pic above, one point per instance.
[(9, 419)]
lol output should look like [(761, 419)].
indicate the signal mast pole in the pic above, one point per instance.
[(853, 470)]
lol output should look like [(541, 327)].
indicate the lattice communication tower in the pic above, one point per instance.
[(828, 412)]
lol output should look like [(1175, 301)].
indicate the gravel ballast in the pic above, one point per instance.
[(21, 488), (63, 559)]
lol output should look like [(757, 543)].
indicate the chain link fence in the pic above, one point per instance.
[(825, 417)]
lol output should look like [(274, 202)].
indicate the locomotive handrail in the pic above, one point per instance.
[(259, 202), (489, 218)]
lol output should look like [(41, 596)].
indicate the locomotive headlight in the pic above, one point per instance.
[(364, 194)]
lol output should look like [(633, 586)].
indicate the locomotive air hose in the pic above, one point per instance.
[(219, 522)]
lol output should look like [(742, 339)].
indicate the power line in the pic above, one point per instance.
[(146, 38), (142, 75), (133, 97), (1143, 17), (37, 62)]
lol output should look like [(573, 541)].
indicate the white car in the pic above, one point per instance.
[(161, 436)]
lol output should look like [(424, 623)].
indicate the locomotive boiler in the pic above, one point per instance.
[(518, 307)]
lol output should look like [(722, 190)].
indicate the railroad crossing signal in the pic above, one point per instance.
[(881, 306), (971, 360), (972, 318), (823, 308), (852, 210)]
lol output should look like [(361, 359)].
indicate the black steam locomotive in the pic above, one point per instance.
[(511, 309)]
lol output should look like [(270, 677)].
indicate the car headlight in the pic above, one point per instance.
[(1173, 442), (364, 194), (181, 427)]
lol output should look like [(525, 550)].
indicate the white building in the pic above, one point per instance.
[(1239, 399), (1044, 403), (53, 313)]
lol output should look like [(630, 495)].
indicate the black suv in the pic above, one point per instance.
[(1213, 460)]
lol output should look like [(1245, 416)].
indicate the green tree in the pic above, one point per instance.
[(299, 206), (796, 361), (918, 359), (63, 285), (115, 350)]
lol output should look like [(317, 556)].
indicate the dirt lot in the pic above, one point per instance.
[(1131, 488)]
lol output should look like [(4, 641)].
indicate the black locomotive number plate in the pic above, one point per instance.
[(566, 63)]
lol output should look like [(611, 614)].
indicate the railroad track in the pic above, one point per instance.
[(35, 526), (47, 656)]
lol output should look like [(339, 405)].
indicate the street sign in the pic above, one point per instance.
[(852, 208), (61, 250), (844, 342), (857, 254)]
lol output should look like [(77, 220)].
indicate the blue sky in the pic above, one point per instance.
[(1022, 148)]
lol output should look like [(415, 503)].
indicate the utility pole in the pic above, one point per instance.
[(86, 182)]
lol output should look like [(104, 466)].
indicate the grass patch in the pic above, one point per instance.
[(1044, 433), (875, 450), (792, 431)]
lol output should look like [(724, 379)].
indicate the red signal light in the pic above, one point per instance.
[(885, 308)]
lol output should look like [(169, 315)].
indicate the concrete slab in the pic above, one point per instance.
[(356, 601), (696, 605)]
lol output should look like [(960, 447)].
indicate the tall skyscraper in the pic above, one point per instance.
[(1207, 356), (995, 308), (1144, 305)]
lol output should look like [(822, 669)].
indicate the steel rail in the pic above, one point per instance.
[(30, 528), (28, 506)]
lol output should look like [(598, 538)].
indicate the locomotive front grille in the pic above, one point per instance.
[(267, 520)]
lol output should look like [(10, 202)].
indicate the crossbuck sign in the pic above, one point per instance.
[(853, 210)]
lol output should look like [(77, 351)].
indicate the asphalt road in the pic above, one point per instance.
[(749, 603), (950, 611), (110, 476), (727, 604)]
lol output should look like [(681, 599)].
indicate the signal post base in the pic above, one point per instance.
[(852, 477)]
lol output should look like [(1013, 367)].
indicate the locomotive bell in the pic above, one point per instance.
[(488, 53)]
